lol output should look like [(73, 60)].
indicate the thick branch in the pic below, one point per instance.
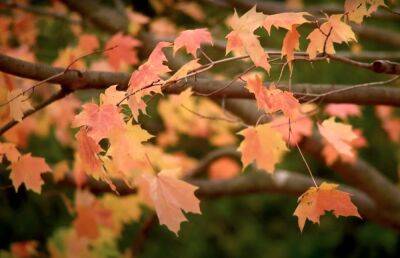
[(74, 80), (281, 182), (101, 15)]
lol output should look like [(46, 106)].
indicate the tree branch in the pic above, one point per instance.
[(281, 182), (73, 80), (104, 17)]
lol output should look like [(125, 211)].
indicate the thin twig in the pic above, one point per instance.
[(308, 167)]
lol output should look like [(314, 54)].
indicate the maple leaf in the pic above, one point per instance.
[(28, 170), (101, 120), (285, 20), (339, 135), (192, 39), (124, 52), (126, 146), (169, 196), (19, 103), (88, 151), (356, 10), (112, 96), (332, 31), (272, 99), (242, 38), (10, 151), (290, 44), (343, 110), (316, 201), (184, 70), (262, 144), (147, 74)]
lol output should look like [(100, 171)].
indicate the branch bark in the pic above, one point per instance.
[(73, 80), (281, 182)]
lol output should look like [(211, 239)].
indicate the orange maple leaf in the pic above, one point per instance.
[(192, 39), (356, 10), (88, 151), (124, 52), (334, 30), (28, 170), (169, 196), (10, 151), (262, 144), (243, 39), (316, 201), (284, 20), (290, 44), (101, 120), (147, 74), (272, 99)]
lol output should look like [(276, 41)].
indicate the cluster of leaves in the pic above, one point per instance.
[(111, 144)]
